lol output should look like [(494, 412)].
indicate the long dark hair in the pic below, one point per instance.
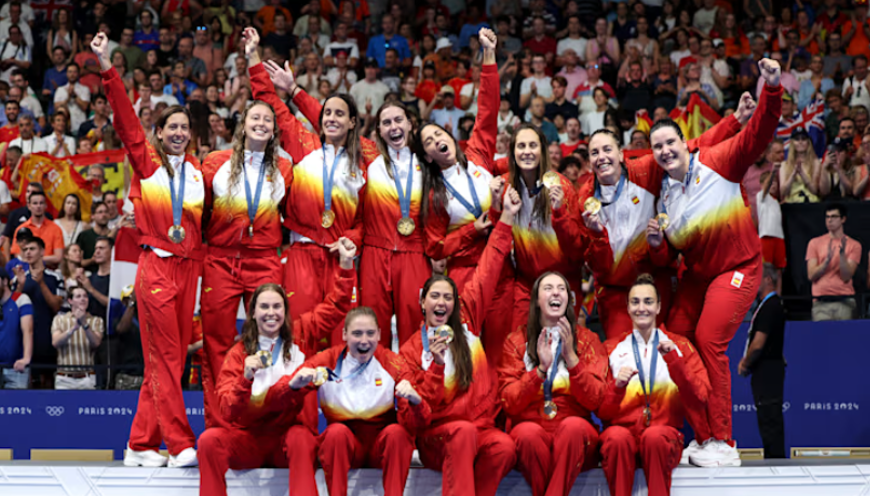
[(250, 332), (237, 160), (352, 142), (159, 124), (77, 215), (533, 327), (541, 210), (383, 147), (433, 181), (459, 347)]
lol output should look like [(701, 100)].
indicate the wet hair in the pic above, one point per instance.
[(646, 280), (433, 181), (667, 123), (383, 147), (541, 209), (159, 124), (237, 160), (352, 142), (533, 326), (359, 312), (459, 347), (250, 331)]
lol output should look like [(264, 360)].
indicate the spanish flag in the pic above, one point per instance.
[(643, 122), (695, 118)]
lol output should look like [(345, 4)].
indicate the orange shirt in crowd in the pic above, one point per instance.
[(830, 283), (266, 15), (48, 232), (860, 44)]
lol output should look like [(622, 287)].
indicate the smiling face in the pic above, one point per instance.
[(643, 306), (336, 121), (553, 298), (527, 150), (259, 125), (394, 127), (175, 134), (438, 145), (269, 313), (362, 336), (438, 303), (669, 150), (605, 157)]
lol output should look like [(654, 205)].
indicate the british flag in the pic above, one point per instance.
[(812, 119), (45, 9)]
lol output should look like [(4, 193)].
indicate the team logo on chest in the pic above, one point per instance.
[(635, 199), (378, 382)]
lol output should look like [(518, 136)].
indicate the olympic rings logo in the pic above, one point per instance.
[(54, 411)]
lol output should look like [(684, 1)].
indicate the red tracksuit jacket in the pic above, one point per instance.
[(149, 188), (577, 392), (436, 383)]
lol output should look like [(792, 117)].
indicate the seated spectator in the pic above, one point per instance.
[(603, 49), (572, 141), (593, 121), (507, 121), (179, 86), (839, 174), (266, 17), (538, 84), (110, 198), (459, 79), (692, 74), (854, 32), (539, 43), (831, 262), (87, 240), (74, 96), (574, 75), (633, 91), (560, 105), (147, 37), (27, 140), (770, 223), (817, 83), (15, 54), (13, 17), (536, 110), (571, 167), (369, 91), (42, 227), (639, 140), (449, 115), (45, 288), (58, 143), (55, 76), (76, 335), (377, 48), (584, 93), (195, 67), (799, 174), (623, 27), (205, 50), (836, 63), (392, 73), (855, 90), (131, 362), (508, 44), (90, 65), (538, 9), (27, 99), (16, 336), (749, 67), (341, 44)]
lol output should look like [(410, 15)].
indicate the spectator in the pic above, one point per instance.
[(560, 105), (638, 141), (319, 39), (602, 49), (110, 198), (584, 93), (134, 55), (508, 44), (862, 191), (179, 86), (854, 32), (27, 141), (14, 19), (16, 336), (705, 17), (774, 154), (45, 288), (593, 121), (147, 37), (692, 74), (87, 240), (749, 67), (855, 88), (378, 45), (555, 153), (816, 84), (280, 37), (90, 65), (715, 72), (43, 228), (96, 283), (341, 77), (96, 176), (571, 168), (20, 214), (799, 174), (536, 110), (11, 114), (573, 74), (835, 112), (392, 73), (369, 91), (449, 116), (341, 44), (158, 91), (27, 99), (831, 262), (537, 9), (633, 91), (100, 119), (74, 96), (538, 84), (72, 261), (539, 42), (76, 335), (195, 67), (664, 87), (205, 50), (770, 222), (300, 29), (764, 360), (836, 63), (267, 16), (70, 220), (14, 54), (832, 20), (507, 121), (572, 131), (623, 27), (838, 175), (131, 363), (55, 76), (166, 52)]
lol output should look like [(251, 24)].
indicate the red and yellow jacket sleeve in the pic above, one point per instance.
[(429, 383), (481, 146), (317, 325), (573, 236), (441, 244), (479, 292), (412, 417), (518, 388), (143, 158), (589, 377), (723, 130), (689, 374)]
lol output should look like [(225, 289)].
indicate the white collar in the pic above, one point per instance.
[(640, 339), (351, 362), (256, 156), (176, 161), (267, 343), (399, 156), (453, 170)]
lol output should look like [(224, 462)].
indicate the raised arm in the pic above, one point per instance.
[(481, 146), (127, 123)]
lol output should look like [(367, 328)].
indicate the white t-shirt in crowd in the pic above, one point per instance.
[(334, 75), (542, 86), (348, 46), (51, 143), (33, 145), (468, 91), (578, 45), (769, 216), (591, 122), (363, 90), (860, 93), (76, 115)]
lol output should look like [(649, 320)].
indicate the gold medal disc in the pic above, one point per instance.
[(327, 219), (445, 331), (663, 220), (549, 410), (647, 416), (320, 378), (551, 179), (176, 234), (405, 226), (265, 357), (592, 205)]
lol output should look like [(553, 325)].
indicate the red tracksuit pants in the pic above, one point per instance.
[(465, 453), (709, 313), (391, 282), (309, 276), (497, 325), (166, 295), (613, 306), (221, 449), (551, 462), (226, 281), (659, 449), (522, 297), (389, 449)]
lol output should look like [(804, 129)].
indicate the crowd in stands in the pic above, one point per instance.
[(569, 67)]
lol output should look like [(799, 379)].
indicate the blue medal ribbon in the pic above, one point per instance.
[(277, 346), (336, 376), (177, 199), (619, 187), (328, 178), (475, 210), (551, 377), (255, 204), (404, 195), (425, 334), (652, 367), (665, 182)]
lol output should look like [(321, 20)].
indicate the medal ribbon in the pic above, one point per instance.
[(652, 367), (665, 182), (177, 199), (336, 376), (475, 210), (404, 195), (328, 179), (277, 344), (255, 204), (619, 187), (554, 369)]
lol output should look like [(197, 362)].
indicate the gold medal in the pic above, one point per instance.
[(592, 205), (647, 416), (327, 219), (320, 378), (405, 226), (251, 231), (176, 234), (663, 220), (549, 410), (445, 331), (265, 357), (551, 179)]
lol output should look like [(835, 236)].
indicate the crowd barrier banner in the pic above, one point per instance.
[(824, 398)]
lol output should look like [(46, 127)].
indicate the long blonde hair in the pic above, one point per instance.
[(810, 160), (237, 161)]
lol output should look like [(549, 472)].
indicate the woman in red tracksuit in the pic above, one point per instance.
[(616, 249), (555, 360), (536, 247), (455, 215), (360, 402), (261, 420), (711, 226), (333, 162), (393, 266), (453, 376), (654, 379), (168, 194), (244, 190)]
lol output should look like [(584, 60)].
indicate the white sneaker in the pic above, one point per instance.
[(145, 458), (716, 454), (690, 450), (186, 458)]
